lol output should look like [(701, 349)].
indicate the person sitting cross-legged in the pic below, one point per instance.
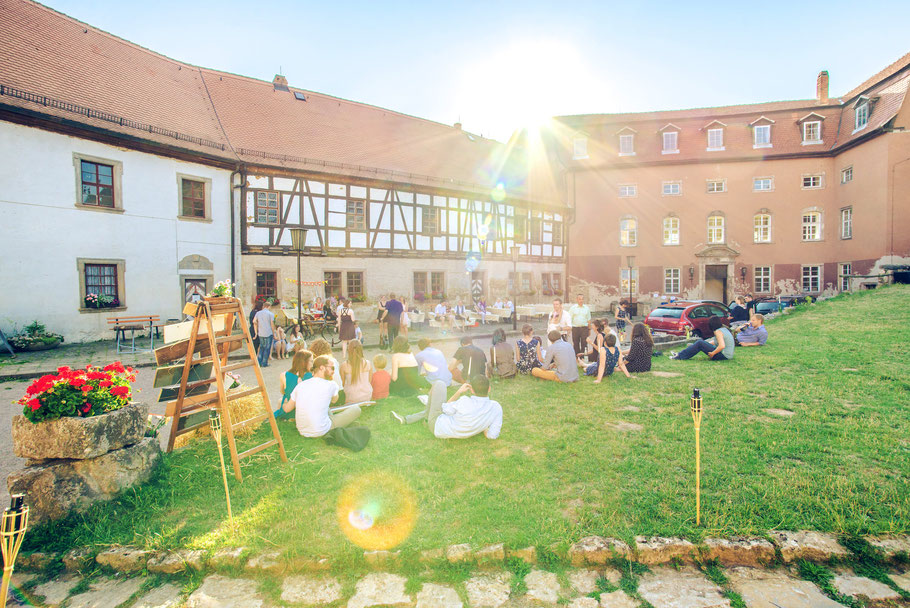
[(432, 363), (469, 361), (609, 358), (753, 334), (314, 396), (468, 412), (720, 350), (559, 362)]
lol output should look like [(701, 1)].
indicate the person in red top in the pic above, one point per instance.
[(381, 378)]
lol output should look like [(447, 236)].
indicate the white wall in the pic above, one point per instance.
[(44, 232)]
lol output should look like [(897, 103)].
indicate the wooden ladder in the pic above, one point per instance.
[(214, 349)]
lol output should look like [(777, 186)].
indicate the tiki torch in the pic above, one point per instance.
[(696, 418), (215, 421), (12, 530)]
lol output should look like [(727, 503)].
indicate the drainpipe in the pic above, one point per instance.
[(233, 226)]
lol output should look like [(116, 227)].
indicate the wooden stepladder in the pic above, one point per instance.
[(212, 339)]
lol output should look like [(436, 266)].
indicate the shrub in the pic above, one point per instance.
[(34, 334), (78, 392)]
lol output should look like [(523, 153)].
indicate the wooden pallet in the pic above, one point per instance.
[(213, 348)]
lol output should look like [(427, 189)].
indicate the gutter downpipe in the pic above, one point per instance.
[(233, 227)]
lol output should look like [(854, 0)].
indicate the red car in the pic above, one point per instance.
[(676, 317)]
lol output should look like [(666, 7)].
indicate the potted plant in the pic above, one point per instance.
[(419, 296), (222, 292), (35, 337), (94, 300)]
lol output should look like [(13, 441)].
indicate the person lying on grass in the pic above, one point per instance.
[(720, 350), (314, 396), (753, 334), (468, 411), (609, 358), (559, 363)]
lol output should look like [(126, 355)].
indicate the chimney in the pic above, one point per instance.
[(280, 83), (458, 126), (821, 87)]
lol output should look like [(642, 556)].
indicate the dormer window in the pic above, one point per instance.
[(861, 116), (626, 141), (580, 148), (670, 134), (761, 132), (715, 130), (812, 132)]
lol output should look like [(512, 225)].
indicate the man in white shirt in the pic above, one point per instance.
[(463, 415), (314, 396), (264, 329), (498, 303), (559, 320), (442, 314)]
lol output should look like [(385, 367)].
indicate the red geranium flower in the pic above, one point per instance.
[(64, 369), (105, 383), (34, 404), (97, 376), (87, 388), (87, 408), (77, 382), (120, 391)]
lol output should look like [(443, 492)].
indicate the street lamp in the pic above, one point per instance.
[(516, 251), (630, 262), (298, 238)]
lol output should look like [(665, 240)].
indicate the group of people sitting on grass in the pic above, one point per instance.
[(724, 341)]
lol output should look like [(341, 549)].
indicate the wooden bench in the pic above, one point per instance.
[(121, 325)]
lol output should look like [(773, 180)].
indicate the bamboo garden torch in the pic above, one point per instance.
[(215, 421), (12, 530), (696, 418)]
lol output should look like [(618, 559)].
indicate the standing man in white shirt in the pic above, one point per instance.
[(581, 316), (463, 415), (559, 320), (264, 329), (311, 399)]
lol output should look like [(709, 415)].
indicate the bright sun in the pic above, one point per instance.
[(524, 83)]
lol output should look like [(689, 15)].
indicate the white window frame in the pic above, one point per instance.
[(673, 137), (844, 269), (714, 183), (761, 232), (669, 184), (579, 148), (716, 148), (810, 227), (846, 174), (628, 190), (846, 223), (755, 138), (818, 177), (672, 280), (628, 235), (717, 231), (670, 235), (815, 277), (761, 277), (817, 124), (861, 111), (756, 180), (630, 138), (624, 281)]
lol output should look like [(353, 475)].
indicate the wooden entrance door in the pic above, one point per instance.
[(716, 282), (477, 286)]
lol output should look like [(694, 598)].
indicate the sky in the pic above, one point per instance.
[(500, 65)]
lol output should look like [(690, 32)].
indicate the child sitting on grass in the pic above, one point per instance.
[(381, 378)]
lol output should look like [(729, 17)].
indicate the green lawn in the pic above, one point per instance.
[(559, 471)]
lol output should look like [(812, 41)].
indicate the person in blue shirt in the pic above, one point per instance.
[(753, 334)]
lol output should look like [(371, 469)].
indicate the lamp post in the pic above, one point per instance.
[(630, 261), (696, 419), (215, 422), (15, 522), (298, 238), (516, 251)]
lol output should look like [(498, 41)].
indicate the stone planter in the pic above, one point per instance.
[(79, 438), (37, 347)]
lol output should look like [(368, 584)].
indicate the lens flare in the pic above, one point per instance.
[(472, 262), (483, 232), (377, 511), (499, 193)]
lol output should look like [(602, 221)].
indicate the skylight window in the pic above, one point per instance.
[(299, 96)]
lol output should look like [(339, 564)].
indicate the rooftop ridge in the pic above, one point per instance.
[(890, 70)]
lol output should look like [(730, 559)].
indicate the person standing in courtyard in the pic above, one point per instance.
[(559, 321), (581, 316), (311, 399), (383, 326), (468, 412), (264, 329), (392, 317), (345, 324), (559, 363), (622, 315)]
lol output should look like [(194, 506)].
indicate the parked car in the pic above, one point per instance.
[(769, 306), (675, 318)]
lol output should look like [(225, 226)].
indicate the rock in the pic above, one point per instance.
[(666, 374), (491, 555), (106, 593), (310, 590), (165, 596), (528, 554), (379, 589), (542, 586), (229, 557), (774, 588), (623, 426), (812, 546), (58, 487), (596, 550), (660, 550), (124, 559), (37, 560), (891, 545), (438, 596), (222, 592), (855, 586), (740, 551), (458, 553), (778, 412), (79, 438), (15, 598), (266, 562), (902, 580), (432, 556), (584, 581), (685, 588), (617, 599), (169, 562), (78, 558), (488, 590), (194, 559), (379, 559), (583, 602), (55, 591)]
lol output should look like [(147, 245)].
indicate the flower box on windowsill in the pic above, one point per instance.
[(83, 309)]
